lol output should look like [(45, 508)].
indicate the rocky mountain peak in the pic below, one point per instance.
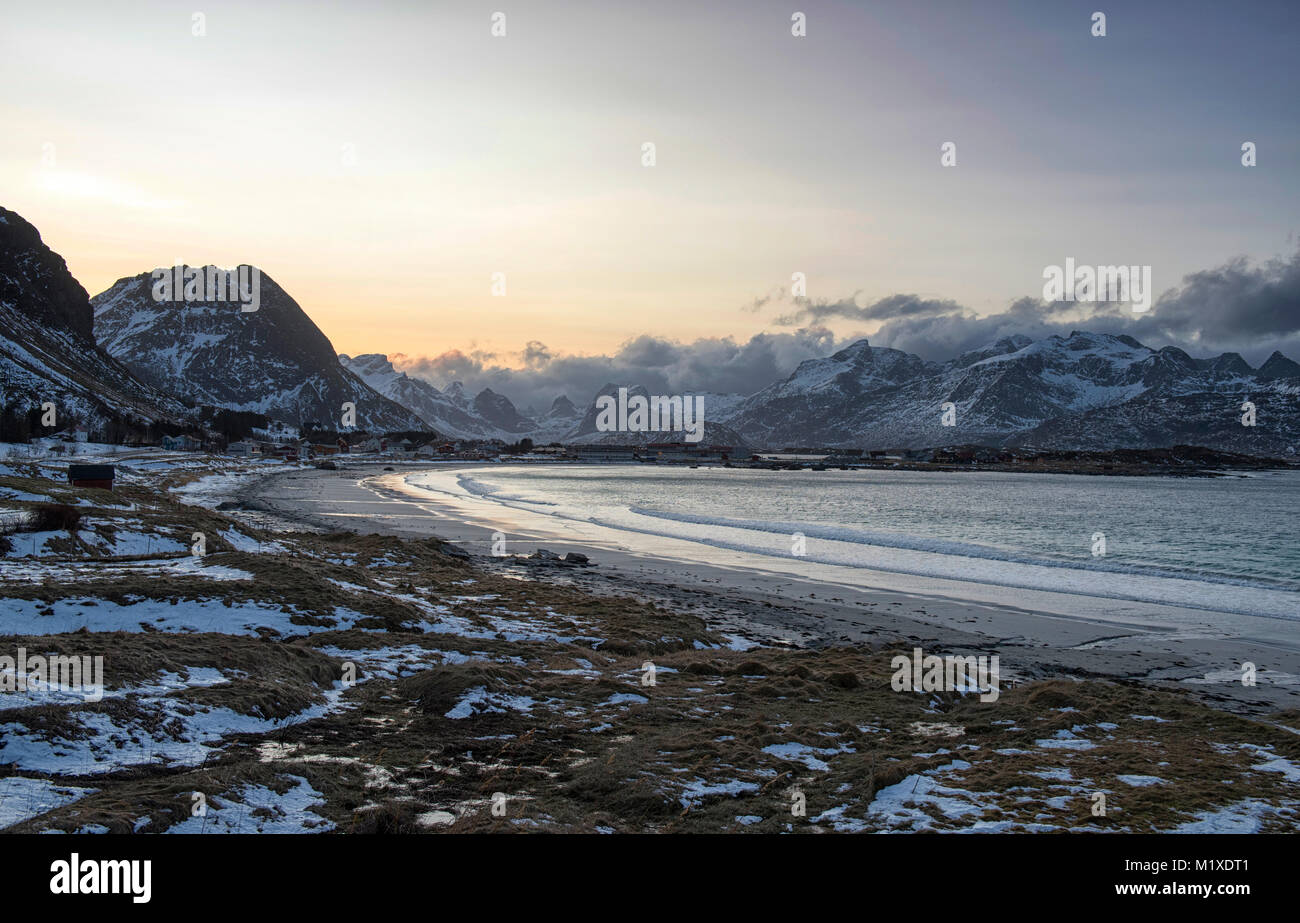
[(35, 281), (1278, 366)]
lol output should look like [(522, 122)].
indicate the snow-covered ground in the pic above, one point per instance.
[(258, 809), (36, 617)]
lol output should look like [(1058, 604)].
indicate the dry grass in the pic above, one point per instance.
[(533, 690)]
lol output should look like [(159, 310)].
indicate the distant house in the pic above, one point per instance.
[(290, 452), (76, 433), (241, 448), (686, 452), (181, 443), (604, 453), (954, 456), (91, 476)]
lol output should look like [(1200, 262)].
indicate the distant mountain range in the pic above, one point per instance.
[(124, 356), (1084, 391), (488, 416), (492, 416)]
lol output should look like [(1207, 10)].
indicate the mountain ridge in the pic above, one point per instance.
[(1013, 391), (273, 361), (123, 357)]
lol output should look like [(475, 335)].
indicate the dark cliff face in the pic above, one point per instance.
[(48, 351), (500, 412), (562, 407), (1279, 366), (35, 281)]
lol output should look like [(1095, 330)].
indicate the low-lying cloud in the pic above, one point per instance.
[(711, 364), (1237, 307)]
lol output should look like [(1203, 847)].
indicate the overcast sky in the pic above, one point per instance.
[(382, 160)]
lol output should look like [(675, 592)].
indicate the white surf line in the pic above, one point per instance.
[(392, 488), (1281, 603), (1146, 615)]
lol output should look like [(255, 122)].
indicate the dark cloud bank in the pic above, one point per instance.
[(1251, 309)]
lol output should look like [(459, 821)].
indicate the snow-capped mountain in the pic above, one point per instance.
[(497, 410), (124, 362), (556, 423), (489, 415), (449, 413), (273, 361), (47, 345), (715, 432), (456, 394), (1278, 366), (1084, 391), (453, 413)]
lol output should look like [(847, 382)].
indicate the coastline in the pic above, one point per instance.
[(1037, 633), (353, 681)]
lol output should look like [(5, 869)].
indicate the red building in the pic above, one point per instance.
[(91, 476)]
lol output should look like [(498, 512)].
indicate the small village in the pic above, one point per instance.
[(325, 449)]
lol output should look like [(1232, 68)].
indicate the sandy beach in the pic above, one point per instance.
[(1037, 633)]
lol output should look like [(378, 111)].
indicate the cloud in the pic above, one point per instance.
[(1236, 307), (762, 301), (888, 308), (1235, 304), (711, 364), (536, 355)]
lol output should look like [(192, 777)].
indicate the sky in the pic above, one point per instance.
[(383, 160)]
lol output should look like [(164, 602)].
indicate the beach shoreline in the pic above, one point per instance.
[(349, 650), (1038, 634)]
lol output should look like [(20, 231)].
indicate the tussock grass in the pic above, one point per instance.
[(566, 731)]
